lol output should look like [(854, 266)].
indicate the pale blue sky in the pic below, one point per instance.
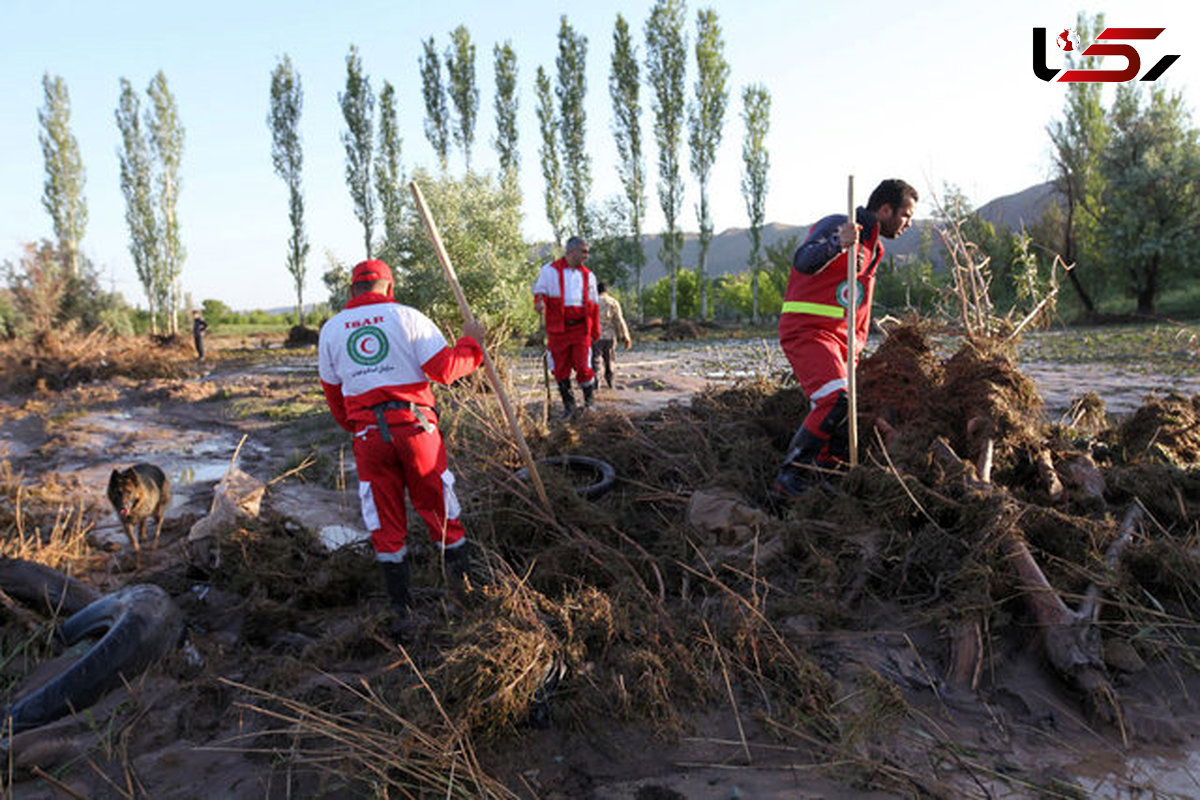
[(933, 92)]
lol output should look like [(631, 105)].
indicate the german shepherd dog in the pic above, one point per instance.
[(138, 493)]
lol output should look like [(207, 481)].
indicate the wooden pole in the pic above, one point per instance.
[(452, 278), (851, 325)]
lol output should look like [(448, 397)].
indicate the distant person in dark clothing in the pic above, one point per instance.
[(199, 326)]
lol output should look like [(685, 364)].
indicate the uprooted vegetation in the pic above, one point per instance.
[(829, 627)]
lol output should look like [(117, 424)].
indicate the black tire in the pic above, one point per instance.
[(603, 474), (142, 623), (44, 588)]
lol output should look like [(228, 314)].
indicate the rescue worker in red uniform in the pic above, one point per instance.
[(565, 294), (375, 359), (812, 325)]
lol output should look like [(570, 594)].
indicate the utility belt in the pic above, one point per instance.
[(418, 411), (570, 322)]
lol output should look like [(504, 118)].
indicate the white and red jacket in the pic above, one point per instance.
[(569, 298), (376, 350)]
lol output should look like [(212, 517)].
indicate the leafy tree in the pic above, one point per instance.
[(337, 280), (389, 174), (39, 287), (666, 64), (1079, 140), (358, 109), (62, 193), (460, 70), (746, 295), (42, 298), (665, 296), (1151, 169), (572, 121), (612, 249), (506, 105), (779, 262), (287, 157), (481, 229), (217, 313), (756, 114), (138, 189), (624, 84), (706, 119), (166, 143), (437, 116), (548, 153)]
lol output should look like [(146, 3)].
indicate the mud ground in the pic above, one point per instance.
[(184, 739)]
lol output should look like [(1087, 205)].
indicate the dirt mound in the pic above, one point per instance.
[(897, 382), (301, 336), (1164, 429), (681, 330)]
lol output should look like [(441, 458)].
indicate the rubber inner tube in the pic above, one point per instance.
[(601, 474)]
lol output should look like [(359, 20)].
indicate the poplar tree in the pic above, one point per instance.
[(166, 145), (389, 174), (358, 109), (706, 119), (460, 72), (437, 126), (572, 120), (666, 64), (506, 105), (756, 115), (548, 153), (1079, 139), (137, 186), (624, 84), (62, 193), (287, 157)]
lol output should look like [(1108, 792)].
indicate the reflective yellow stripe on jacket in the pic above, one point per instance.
[(820, 309)]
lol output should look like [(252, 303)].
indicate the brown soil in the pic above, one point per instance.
[(687, 635)]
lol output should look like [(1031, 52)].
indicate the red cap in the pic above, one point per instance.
[(372, 270)]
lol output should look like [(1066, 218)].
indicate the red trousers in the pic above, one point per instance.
[(818, 360), (571, 350), (414, 461)]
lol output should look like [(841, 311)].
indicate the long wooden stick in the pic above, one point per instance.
[(435, 239), (851, 325)]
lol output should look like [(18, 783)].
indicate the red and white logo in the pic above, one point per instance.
[(1068, 41)]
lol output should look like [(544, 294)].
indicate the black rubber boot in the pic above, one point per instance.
[(568, 398), (589, 394), (458, 568), (396, 579), (407, 624), (796, 475), (837, 425)]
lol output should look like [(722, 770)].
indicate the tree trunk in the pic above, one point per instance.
[(1148, 290), (1089, 305)]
